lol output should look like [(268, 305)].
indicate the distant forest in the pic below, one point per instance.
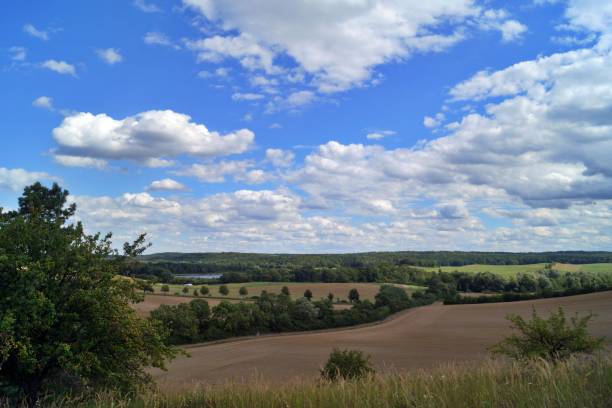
[(236, 260), (358, 267)]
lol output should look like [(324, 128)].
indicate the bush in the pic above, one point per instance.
[(165, 289), (243, 291), (185, 289), (552, 339), (394, 298), (204, 290), (223, 290), (353, 295), (308, 294), (346, 364)]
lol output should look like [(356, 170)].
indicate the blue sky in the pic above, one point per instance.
[(316, 126)]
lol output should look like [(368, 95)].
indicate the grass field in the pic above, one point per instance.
[(319, 290), (572, 384), (417, 338), (512, 270)]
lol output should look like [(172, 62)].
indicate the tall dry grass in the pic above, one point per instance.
[(575, 383)]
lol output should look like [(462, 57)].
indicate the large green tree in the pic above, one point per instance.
[(65, 316)]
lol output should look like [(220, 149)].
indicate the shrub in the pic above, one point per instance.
[(552, 338), (223, 290), (243, 291), (308, 294), (353, 295), (347, 365), (165, 289), (285, 291), (196, 293), (185, 289), (204, 290), (394, 298)]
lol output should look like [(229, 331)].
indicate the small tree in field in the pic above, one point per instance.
[(308, 294), (285, 291), (553, 338), (204, 290), (347, 365), (196, 292), (353, 295), (243, 291), (223, 290), (185, 289), (165, 289), (330, 297)]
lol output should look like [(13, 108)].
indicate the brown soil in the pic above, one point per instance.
[(418, 338)]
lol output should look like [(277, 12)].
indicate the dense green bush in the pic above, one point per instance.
[(346, 365), (553, 338)]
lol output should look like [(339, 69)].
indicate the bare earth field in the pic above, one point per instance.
[(417, 338)]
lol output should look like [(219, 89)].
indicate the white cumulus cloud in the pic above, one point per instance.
[(110, 55), (150, 138), (61, 67)]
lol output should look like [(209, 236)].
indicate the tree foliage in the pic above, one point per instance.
[(553, 338), (308, 294), (65, 317)]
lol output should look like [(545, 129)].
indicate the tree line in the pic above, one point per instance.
[(274, 313)]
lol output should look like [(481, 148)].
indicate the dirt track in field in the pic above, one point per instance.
[(418, 338)]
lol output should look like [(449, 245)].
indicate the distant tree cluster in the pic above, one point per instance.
[(270, 313), (545, 283)]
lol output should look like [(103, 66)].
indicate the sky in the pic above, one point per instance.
[(315, 125)]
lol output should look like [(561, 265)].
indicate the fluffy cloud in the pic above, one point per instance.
[(17, 179), (157, 38), (166, 184), (545, 146), (239, 170), (34, 32), (149, 138), (61, 67), (511, 30), (245, 48), (338, 43), (79, 161), (110, 55), (435, 121), (279, 157), (44, 102)]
